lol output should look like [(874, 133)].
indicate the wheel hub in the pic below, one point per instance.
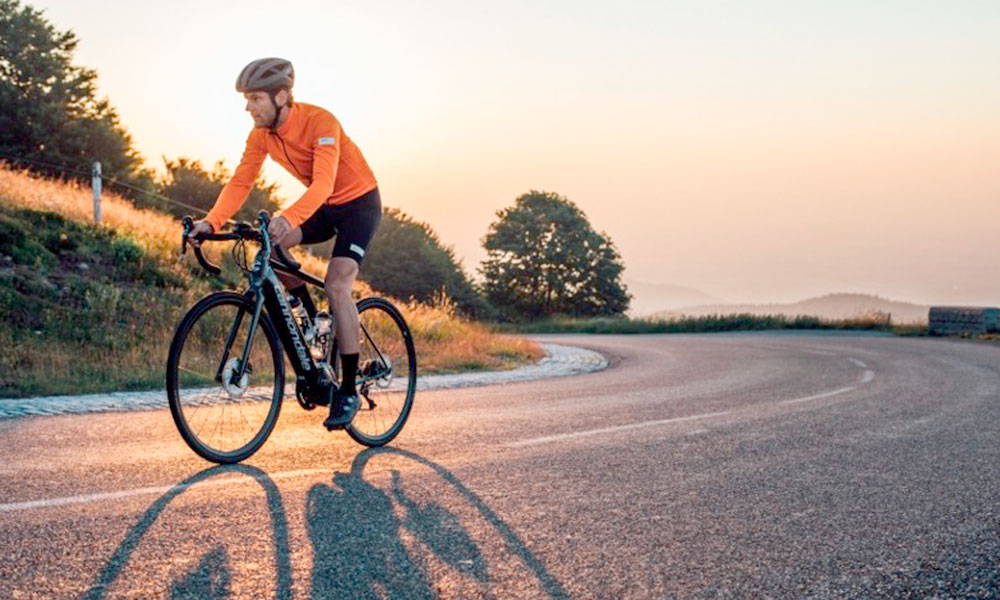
[(380, 371), (235, 389)]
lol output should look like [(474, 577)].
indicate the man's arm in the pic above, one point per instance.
[(235, 193)]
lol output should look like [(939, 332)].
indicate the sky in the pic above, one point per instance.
[(758, 151)]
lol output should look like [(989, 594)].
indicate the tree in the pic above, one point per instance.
[(544, 259), (188, 182), (49, 109), (406, 259)]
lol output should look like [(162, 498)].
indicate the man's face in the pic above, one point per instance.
[(260, 108)]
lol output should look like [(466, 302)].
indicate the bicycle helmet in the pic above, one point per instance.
[(267, 75)]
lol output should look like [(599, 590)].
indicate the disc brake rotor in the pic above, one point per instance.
[(235, 389), (380, 372)]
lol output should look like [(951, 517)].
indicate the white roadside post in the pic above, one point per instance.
[(95, 183)]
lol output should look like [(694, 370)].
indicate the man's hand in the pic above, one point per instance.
[(199, 228), (279, 228)]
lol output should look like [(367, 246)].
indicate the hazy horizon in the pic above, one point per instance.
[(758, 152)]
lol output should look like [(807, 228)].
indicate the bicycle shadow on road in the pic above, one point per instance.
[(395, 525), (211, 577), (409, 528)]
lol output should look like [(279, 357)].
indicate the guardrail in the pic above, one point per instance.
[(955, 320)]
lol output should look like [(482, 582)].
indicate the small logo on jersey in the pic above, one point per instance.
[(326, 141), (357, 249)]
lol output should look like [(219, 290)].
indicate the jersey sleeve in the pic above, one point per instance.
[(325, 144), (235, 193)]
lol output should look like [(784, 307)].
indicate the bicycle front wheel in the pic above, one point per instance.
[(223, 417), (387, 373)]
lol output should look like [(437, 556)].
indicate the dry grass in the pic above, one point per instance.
[(445, 342), (157, 234), (875, 321)]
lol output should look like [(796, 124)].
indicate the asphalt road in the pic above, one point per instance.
[(719, 466)]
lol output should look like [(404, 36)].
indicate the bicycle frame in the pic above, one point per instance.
[(316, 379), (266, 292)]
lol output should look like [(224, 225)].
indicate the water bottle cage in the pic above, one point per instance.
[(320, 342)]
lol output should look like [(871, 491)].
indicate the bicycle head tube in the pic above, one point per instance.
[(262, 263)]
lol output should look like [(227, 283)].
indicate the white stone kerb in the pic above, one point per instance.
[(559, 361)]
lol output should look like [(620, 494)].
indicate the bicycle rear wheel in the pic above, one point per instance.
[(387, 373), (223, 419)]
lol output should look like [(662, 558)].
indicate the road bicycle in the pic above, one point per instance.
[(226, 368)]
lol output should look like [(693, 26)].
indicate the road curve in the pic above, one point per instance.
[(715, 466)]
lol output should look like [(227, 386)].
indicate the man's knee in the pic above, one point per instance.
[(340, 275)]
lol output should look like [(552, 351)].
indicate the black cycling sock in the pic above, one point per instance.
[(302, 293), (350, 364)]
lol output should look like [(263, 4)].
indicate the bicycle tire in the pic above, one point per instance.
[(387, 373), (203, 330)]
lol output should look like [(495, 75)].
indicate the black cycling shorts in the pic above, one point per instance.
[(354, 223)]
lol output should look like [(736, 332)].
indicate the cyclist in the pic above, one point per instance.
[(342, 199)]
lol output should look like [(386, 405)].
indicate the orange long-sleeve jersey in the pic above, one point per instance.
[(313, 147)]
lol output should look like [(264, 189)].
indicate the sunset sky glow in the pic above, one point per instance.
[(758, 151)]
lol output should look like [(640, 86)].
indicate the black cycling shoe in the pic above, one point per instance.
[(342, 410)]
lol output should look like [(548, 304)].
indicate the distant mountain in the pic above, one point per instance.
[(831, 306), (650, 297)]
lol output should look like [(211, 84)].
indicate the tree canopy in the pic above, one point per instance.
[(49, 109), (544, 259), (189, 182)]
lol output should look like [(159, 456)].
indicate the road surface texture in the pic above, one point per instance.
[(709, 466)]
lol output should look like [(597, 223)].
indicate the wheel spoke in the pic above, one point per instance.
[(197, 374), (224, 422), (386, 360)]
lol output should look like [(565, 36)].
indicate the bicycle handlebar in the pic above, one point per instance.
[(242, 231), (188, 223), (287, 258)]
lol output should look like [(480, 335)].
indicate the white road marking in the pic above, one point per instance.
[(866, 377), (616, 428), (818, 396), (242, 479)]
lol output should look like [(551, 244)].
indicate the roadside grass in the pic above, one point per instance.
[(87, 308), (453, 344), (713, 323)]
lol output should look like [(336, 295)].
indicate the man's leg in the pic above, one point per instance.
[(294, 239), (340, 277), (356, 222), (295, 286)]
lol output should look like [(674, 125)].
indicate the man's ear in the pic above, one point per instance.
[(281, 98)]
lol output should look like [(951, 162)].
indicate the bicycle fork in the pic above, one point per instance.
[(258, 303)]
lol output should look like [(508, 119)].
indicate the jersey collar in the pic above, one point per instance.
[(288, 125)]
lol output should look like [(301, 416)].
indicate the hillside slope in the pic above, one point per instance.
[(75, 301), (831, 306)]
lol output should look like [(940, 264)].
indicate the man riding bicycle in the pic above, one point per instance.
[(342, 200)]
